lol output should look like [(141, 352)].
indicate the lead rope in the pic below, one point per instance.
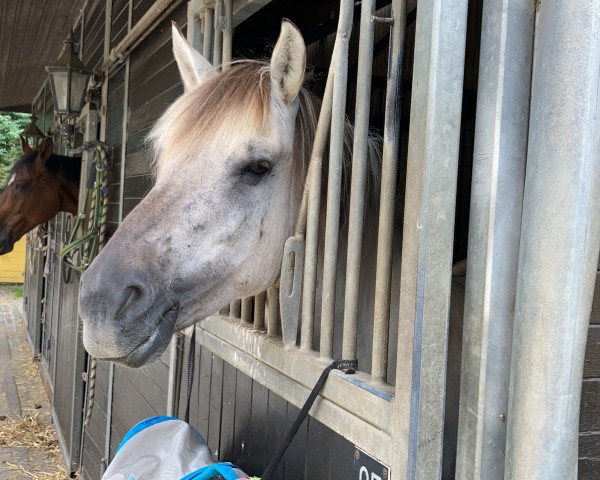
[(347, 366), (103, 191)]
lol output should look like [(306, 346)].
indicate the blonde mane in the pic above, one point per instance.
[(237, 101)]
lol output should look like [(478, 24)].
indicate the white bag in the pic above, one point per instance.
[(166, 448)]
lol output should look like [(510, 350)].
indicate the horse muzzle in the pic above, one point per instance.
[(125, 319)]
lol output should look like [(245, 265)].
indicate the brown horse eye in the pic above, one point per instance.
[(19, 186)]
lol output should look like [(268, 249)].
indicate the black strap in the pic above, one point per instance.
[(190, 374), (348, 366)]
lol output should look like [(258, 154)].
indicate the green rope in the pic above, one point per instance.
[(89, 230)]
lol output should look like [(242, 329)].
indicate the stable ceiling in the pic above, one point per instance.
[(31, 36)]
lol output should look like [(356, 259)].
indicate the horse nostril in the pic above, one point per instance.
[(132, 294)]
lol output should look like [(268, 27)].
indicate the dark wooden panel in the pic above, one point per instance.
[(140, 7), (254, 461), (120, 14), (318, 443), (227, 438), (149, 112), (137, 187), (589, 418), (592, 353), (154, 84), (589, 457), (216, 397), (204, 390), (243, 412), (295, 457), (595, 317), (276, 429), (93, 36)]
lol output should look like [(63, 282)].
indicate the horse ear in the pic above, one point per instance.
[(25, 146), (45, 150), (192, 66), (288, 62)]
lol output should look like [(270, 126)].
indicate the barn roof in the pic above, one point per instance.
[(31, 36)]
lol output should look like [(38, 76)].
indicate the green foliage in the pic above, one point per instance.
[(11, 124)]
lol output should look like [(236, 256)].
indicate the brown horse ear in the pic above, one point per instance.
[(45, 150), (25, 146)]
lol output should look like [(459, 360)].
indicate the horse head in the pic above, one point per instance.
[(230, 162), (39, 186)]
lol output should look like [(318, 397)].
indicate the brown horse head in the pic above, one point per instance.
[(39, 186)]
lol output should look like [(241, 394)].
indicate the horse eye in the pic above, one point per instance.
[(257, 167), (19, 186), (253, 173)]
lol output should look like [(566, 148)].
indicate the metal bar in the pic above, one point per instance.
[(389, 172), (560, 240), (235, 309), (334, 181), (103, 127), (209, 30), (109, 407), (259, 311), (218, 36), (227, 33), (495, 222), (313, 211), (360, 152), (124, 134), (273, 311), (175, 373), (428, 238), (194, 25), (247, 309)]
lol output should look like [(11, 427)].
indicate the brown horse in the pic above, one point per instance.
[(39, 186)]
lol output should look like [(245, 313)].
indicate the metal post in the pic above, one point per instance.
[(494, 226), (273, 311), (218, 36), (334, 181), (560, 239), (430, 199), (359, 178), (389, 172), (315, 174), (247, 309), (227, 33), (209, 30), (259, 311)]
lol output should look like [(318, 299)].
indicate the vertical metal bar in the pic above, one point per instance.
[(247, 309), (273, 312), (259, 311), (428, 238), (360, 152), (495, 222), (194, 24), (315, 175), (560, 240), (227, 33), (218, 37), (235, 309), (334, 181), (209, 31), (103, 127), (389, 172)]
